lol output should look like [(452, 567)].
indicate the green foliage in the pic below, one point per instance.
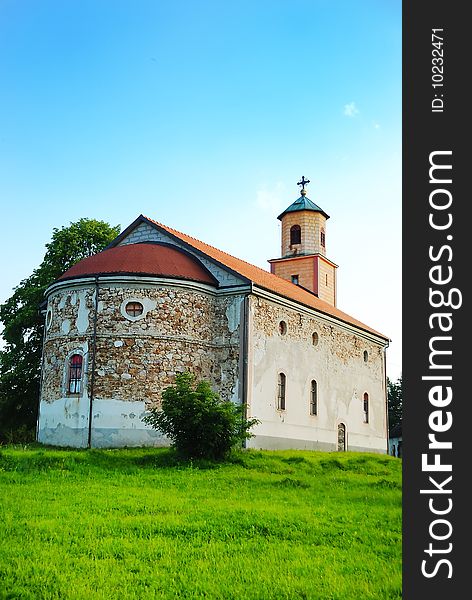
[(140, 524), (20, 360), (395, 402), (198, 422)]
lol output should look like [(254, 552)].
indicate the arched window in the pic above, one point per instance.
[(313, 398), (281, 392), (282, 327), (366, 356), (315, 338), (366, 407), (295, 235), (74, 379)]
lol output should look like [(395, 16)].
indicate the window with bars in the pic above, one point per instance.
[(323, 238), (281, 392), (295, 235), (366, 407), (313, 398), (134, 309), (75, 374)]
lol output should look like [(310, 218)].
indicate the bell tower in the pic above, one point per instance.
[(303, 248)]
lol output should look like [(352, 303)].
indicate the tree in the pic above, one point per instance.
[(20, 359), (199, 423), (395, 401)]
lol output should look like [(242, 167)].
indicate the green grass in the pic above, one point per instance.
[(137, 523)]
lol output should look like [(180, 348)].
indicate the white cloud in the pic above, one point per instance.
[(271, 200), (350, 110)]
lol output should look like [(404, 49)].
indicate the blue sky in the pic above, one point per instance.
[(203, 115)]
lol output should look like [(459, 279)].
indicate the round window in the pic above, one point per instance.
[(134, 309), (283, 327)]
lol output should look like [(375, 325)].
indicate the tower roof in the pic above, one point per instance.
[(303, 203)]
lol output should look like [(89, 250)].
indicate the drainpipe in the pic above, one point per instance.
[(94, 354), (386, 392), (245, 349)]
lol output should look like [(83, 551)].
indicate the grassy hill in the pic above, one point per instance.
[(138, 524)]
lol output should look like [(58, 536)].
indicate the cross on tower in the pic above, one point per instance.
[(303, 183)]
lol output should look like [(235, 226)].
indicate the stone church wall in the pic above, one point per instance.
[(184, 327), (313, 348)]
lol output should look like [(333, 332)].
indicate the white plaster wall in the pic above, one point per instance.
[(115, 424), (341, 386)]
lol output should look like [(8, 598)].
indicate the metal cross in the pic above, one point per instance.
[(303, 182)]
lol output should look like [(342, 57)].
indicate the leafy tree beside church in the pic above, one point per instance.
[(20, 359), (395, 402)]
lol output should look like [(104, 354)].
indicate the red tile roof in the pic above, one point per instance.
[(155, 260), (266, 280)]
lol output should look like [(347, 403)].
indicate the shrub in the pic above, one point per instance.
[(197, 421)]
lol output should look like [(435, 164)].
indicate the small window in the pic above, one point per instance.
[(366, 408), (48, 319), (313, 398), (295, 235), (366, 356), (283, 327), (75, 374), (315, 338), (326, 276), (323, 238), (281, 392), (134, 309), (295, 279)]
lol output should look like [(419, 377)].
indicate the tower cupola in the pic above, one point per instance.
[(303, 247), (303, 226)]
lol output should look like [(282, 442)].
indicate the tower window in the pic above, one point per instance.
[(323, 238), (315, 338), (281, 392), (295, 279), (283, 327), (313, 398), (326, 276), (366, 356), (295, 235), (366, 407), (75, 374)]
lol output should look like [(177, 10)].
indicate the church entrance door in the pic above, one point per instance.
[(341, 437)]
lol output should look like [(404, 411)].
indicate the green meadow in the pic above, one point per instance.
[(139, 524)]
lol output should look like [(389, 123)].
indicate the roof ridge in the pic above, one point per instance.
[(267, 280), (181, 233)]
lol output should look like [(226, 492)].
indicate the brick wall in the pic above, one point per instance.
[(183, 329)]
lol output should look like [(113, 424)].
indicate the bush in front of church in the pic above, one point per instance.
[(197, 421)]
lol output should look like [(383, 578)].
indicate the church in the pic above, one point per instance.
[(121, 323)]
